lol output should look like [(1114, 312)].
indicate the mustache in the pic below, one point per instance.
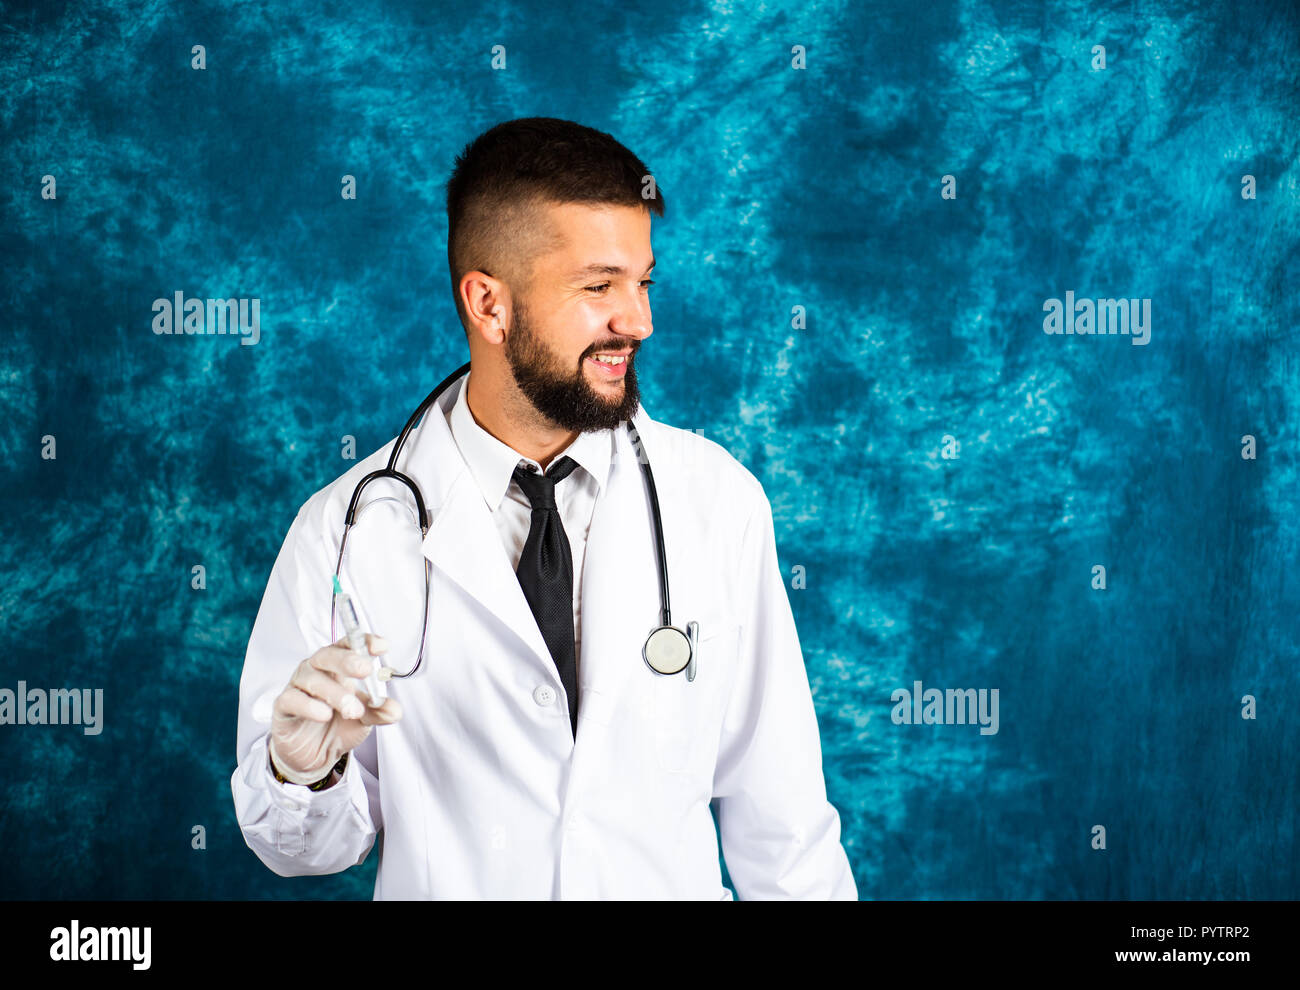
[(612, 345)]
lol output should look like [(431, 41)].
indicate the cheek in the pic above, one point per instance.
[(584, 330)]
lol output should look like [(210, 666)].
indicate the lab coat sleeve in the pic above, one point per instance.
[(780, 835), (293, 830)]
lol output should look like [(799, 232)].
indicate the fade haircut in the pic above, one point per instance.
[(506, 176)]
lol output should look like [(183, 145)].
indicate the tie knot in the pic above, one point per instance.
[(540, 488)]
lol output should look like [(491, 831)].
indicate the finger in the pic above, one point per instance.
[(375, 643), (387, 713), (294, 702), (339, 660), (322, 685)]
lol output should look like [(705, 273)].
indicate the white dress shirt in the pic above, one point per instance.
[(492, 463)]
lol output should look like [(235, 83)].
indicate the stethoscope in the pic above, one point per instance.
[(667, 649)]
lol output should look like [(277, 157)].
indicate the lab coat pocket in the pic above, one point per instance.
[(688, 714)]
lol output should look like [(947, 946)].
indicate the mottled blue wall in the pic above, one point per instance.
[(818, 188)]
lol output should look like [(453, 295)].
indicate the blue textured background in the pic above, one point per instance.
[(817, 188)]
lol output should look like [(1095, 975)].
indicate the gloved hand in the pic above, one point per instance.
[(320, 715)]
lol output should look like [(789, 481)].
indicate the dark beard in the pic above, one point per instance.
[(564, 396)]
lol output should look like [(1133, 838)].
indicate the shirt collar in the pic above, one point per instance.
[(493, 463)]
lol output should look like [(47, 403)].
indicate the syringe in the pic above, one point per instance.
[(375, 687)]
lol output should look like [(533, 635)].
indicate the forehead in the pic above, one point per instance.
[(583, 234)]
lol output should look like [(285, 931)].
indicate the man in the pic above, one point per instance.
[(532, 752)]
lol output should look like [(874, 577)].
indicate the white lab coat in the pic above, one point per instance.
[(480, 791)]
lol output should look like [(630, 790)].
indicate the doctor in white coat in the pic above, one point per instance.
[(472, 774)]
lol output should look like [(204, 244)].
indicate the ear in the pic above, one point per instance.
[(485, 300)]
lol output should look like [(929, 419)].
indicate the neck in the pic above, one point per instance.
[(499, 407)]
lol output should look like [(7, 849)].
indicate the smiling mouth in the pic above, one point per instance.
[(610, 365)]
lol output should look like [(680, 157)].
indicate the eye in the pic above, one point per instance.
[(600, 289)]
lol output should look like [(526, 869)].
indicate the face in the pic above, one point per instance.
[(572, 345)]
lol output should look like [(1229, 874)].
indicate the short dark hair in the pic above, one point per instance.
[(503, 176)]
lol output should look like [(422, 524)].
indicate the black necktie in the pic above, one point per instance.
[(545, 574)]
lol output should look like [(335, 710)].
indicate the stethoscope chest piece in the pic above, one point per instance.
[(668, 650)]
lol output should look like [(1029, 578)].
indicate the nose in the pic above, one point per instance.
[(632, 318)]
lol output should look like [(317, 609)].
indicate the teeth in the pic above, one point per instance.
[(610, 360)]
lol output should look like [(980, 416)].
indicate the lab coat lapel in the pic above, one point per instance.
[(463, 541), (620, 586)]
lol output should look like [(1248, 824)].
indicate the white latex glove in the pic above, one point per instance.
[(320, 715)]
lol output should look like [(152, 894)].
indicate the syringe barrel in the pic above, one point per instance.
[(351, 624), (376, 688)]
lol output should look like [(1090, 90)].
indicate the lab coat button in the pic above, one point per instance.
[(544, 694)]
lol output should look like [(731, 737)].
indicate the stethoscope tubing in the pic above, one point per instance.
[(390, 471)]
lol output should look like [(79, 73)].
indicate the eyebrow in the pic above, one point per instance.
[(591, 270)]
